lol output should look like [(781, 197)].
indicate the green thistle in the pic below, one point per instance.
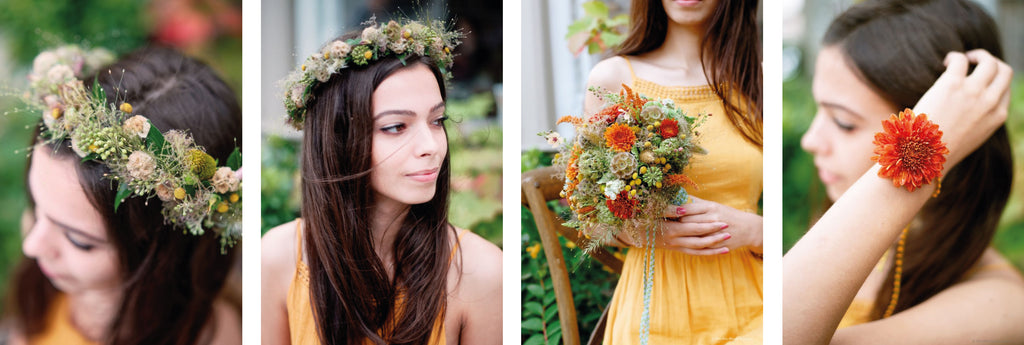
[(200, 164)]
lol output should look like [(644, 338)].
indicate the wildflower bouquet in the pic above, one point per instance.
[(197, 194), (626, 165)]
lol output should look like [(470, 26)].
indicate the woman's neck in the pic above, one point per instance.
[(681, 52), (91, 312), (387, 218)]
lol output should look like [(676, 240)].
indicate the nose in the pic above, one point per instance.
[(38, 243), (430, 141), (813, 140)]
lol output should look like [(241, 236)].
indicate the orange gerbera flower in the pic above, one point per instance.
[(910, 150), (619, 137), (622, 207), (669, 128)]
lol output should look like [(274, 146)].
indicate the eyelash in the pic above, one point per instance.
[(842, 126), (82, 246), (398, 127)]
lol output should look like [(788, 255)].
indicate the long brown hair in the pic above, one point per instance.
[(884, 43), (169, 280), (731, 49), (352, 296)]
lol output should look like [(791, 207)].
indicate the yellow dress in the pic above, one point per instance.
[(302, 325), (699, 299), (59, 330)]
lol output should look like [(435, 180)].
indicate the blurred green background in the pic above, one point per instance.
[(209, 30)]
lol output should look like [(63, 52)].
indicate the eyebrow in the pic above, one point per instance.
[(843, 108), (406, 112), (76, 230)]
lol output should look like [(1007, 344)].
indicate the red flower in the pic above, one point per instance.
[(608, 114), (910, 150), (619, 137), (669, 128), (622, 207)]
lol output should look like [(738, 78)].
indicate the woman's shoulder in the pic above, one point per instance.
[(480, 260), (226, 322), (610, 74), (995, 268), (278, 257)]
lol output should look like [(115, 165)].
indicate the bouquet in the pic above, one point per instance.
[(626, 165)]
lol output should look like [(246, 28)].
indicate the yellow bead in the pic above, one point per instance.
[(447, 51), (657, 184), (650, 127), (632, 193), (635, 176), (647, 144), (643, 170), (223, 207), (327, 55), (179, 193), (233, 198), (368, 55), (303, 68), (628, 188)]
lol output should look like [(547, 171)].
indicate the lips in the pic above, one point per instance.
[(825, 176), (428, 175), (687, 3)]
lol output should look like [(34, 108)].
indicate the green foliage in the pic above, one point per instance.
[(14, 142), (595, 30), (279, 178), (33, 26), (592, 283)]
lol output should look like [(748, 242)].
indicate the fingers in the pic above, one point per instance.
[(700, 245), (704, 252), (677, 229), (984, 72), (956, 67)]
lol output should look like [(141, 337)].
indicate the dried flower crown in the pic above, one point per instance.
[(197, 194), (376, 42)]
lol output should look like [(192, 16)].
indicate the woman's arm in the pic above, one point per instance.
[(276, 269), (824, 270), (478, 291)]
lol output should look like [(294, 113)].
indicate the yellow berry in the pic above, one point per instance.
[(668, 166), (303, 68), (650, 127), (628, 188), (201, 164), (368, 55), (327, 55), (643, 170), (447, 51), (657, 184), (635, 175), (632, 193), (93, 148), (233, 197), (179, 193), (406, 34), (57, 113), (223, 207), (647, 144)]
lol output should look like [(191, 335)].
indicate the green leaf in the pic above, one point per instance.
[(612, 39), (595, 9), (123, 192), (90, 156), (97, 91), (549, 298), (535, 290), (536, 339), (621, 19), (554, 338), (555, 328), (154, 139), (551, 312), (533, 324), (235, 159), (534, 308), (580, 25)]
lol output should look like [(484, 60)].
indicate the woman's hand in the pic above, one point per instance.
[(704, 227), (968, 108)]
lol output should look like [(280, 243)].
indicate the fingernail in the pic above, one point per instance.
[(723, 226), (724, 250), (726, 237), (680, 211)]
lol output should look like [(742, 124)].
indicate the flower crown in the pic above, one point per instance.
[(197, 194), (375, 43)]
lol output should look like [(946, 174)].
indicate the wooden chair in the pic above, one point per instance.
[(540, 186)]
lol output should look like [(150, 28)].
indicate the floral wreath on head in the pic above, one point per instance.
[(429, 39), (197, 193)]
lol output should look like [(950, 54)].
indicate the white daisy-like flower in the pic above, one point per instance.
[(612, 188), (43, 62), (141, 165), (224, 180), (136, 125), (58, 74)]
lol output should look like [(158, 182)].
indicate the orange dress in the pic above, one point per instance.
[(302, 325), (699, 299), (59, 330)]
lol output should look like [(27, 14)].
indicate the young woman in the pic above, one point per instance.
[(921, 270), (705, 56), (99, 272), (374, 259)]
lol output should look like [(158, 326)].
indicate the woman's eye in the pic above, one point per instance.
[(440, 121), (395, 128), (846, 127), (79, 245)]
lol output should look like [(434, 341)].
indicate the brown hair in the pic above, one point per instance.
[(170, 280), (353, 298), (731, 48), (884, 43)]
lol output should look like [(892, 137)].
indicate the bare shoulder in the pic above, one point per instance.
[(480, 263), (993, 268), (227, 323), (610, 74), (278, 248)]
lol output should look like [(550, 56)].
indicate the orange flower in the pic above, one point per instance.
[(570, 119), (608, 114), (910, 150), (619, 137), (631, 99), (622, 207), (679, 180), (669, 128)]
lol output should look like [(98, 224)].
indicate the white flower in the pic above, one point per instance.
[(554, 139), (141, 165), (224, 180), (58, 74), (321, 73), (398, 47), (165, 191), (43, 62), (136, 125), (338, 49), (612, 188), (178, 139), (370, 34), (48, 118), (296, 96)]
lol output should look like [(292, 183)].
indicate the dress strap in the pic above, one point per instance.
[(630, 65), (456, 246), (298, 240)]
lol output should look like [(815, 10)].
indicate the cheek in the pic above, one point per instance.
[(97, 269)]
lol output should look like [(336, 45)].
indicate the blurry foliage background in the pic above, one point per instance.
[(209, 30)]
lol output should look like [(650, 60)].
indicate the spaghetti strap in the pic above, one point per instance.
[(298, 240), (456, 246), (630, 65)]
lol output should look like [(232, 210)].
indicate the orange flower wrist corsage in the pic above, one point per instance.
[(910, 150)]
